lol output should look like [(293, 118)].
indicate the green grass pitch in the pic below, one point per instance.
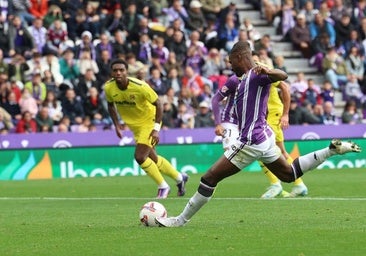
[(99, 216)]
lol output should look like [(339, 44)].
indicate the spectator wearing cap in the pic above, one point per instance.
[(300, 36), (86, 42), (36, 87), (204, 116), (196, 18)]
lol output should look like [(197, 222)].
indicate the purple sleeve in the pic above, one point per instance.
[(215, 102)]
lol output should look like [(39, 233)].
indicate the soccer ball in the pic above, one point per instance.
[(150, 211)]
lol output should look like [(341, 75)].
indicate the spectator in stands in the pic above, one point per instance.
[(252, 33), (174, 81), (353, 41), (64, 125), (131, 21), (4, 34), (177, 12), (144, 49), (38, 8), (114, 22), (334, 68), (160, 49), (18, 67), (172, 62), (232, 11), (212, 68), (36, 87), (228, 33), (39, 34), (185, 118), (353, 91), (320, 47), (104, 44), (72, 107), (7, 119), (339, 9), (134, 65), (169, 115), (287, 19), (312, 93), (93, 19), (264, 58), (355, 65), (204, 116), (20, 9), (265, 43), (4, 67), (342, 28), (157, 82), (43, 120), (54, 12), (279, 63), (358, 12), (300, 36), (19, 38), (362, 28), (54, 107), (211, 7), (103, 63), (86, 62), (350, 114), (50, 62), (34, 64), (4, 128), (185, 96), (4, 91), (327, 92), (178, 45), (86, 43), (329, 117), (57, 37), (95, 109), (85, 82), (196, 18), (11, 106), (271, 8), (193, 81), (324, 11), (27, 124), (319, 26), (120, 46), (16, 86), (308, 11), (69, 66)]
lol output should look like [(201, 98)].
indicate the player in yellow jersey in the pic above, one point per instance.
[(277, 118), (140, 108)]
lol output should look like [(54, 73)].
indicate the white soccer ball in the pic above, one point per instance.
[(150, 211)]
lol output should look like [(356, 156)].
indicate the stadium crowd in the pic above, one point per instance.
[(55, 58)]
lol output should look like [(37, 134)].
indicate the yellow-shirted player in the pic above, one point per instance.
[(139, 107), (277, 118)]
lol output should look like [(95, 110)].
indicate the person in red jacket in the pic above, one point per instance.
[(38, 8), (27, 124)]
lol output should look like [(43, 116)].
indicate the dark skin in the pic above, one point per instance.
[(142, 151), (241, 63)]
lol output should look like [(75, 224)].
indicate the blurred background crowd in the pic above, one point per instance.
[(55, 57)]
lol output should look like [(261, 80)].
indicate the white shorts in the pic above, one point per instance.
[(231, 135), (242, 155)]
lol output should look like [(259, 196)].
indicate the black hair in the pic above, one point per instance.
[(119, 61), (241, 47)]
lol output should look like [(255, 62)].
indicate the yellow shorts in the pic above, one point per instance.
[(142, 133), (274, 123)]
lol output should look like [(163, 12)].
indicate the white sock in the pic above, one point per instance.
[(194, 204), (312, 160), (163, 185)]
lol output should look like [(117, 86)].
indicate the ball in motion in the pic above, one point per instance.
[(150, 211)]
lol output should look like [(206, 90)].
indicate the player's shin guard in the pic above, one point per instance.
[(200, 198)]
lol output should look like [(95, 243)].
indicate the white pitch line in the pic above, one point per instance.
[(149, 198)]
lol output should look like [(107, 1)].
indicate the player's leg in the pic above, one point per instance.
[(299, 188), (166, 168), (142, 153), (290, 172), (275, 188), (236, 158), (148, 164)]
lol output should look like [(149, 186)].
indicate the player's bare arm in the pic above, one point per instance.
[(158, 117), (113, 113), (286, 99), (273, 74)]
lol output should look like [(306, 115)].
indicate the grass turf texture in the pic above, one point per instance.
[(99, 216)]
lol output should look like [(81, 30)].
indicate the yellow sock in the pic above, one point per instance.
[(152, 170), (166, 168), (299, 180), (271, 177)]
